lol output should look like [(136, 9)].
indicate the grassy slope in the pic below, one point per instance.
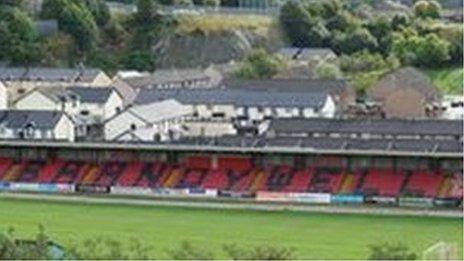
[(448, 80), (220, 23), (312, 235)]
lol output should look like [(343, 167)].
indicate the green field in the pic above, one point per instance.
[(319, 236), (448, 80)]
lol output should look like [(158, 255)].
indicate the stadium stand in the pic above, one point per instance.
[(237, 174)]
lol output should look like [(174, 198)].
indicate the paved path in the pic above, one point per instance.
[(390, 211)]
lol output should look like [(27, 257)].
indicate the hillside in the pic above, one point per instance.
[(448, 80)]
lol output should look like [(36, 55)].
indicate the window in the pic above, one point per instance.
[(219, 115), (84, 112)]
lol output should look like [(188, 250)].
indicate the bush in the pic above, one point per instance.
[(260, 65), (427, 9), (365, 61), (386, 251), (328, 71), (188, 251), (422, 51), (262, 252)]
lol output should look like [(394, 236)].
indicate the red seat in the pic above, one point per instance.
[(384, 182), (424, 183)]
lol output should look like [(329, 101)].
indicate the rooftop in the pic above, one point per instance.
[(369, 126), (48, 74), (237, 97), (16, 119)]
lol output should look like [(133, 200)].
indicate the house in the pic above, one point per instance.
[(341, 91), (20, 80), (310, 55), (36, 125), (3, 96), (86, 106), (155, 121), (453, 107), (173, 78), (245, 104), (404, 93), (302, 62)]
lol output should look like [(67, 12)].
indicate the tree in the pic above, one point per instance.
[(351, 42), (422, 51), (301, 28), (75, 19), (99, 10), (365, 61), (386, 251), (399, 20), (19, 38), (79, 23), (12, 3), (328, 71), (381, 29), (427, 8), (140, 61), (149, 24), (260, 65)]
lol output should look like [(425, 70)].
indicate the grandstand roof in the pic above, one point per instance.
[(368, 126), (282, 145)]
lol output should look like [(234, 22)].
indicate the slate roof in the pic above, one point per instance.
[(237, 97), (83, 94), (16, 119), (372, 126), (48, 74), (289, 85)]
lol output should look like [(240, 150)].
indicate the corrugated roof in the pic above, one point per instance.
[(327, 143), (372, 126), (238, 97), (16, 119)]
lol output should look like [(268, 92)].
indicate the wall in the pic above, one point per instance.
[(36, 100), (404, 103), (64, 130), (3, 96), (209, 128)]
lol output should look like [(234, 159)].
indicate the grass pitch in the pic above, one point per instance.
[(320, 236)]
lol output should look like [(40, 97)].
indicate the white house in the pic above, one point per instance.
[(243, 104), (3, 96), (155, 121), (36, 125), (453, 107), (86, 106), (20, 81)]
